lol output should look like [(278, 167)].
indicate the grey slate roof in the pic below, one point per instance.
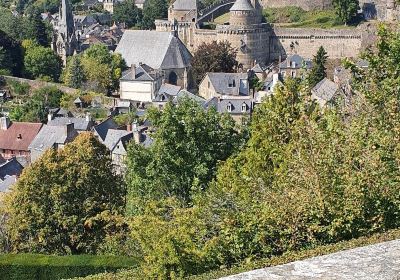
[(186, 94), (143, 73), (235, 105), (166, 93), (242, 5), (113, 136), (221, 82), (102, 128), (298, 62), (185, 5), (325, 90), (159, 50), (80, 124), (10, 168), (50, 135), (6, 184)]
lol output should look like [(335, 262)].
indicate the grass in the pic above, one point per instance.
[(295, 17)]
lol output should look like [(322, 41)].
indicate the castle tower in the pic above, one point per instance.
[(66, 42), (243, 13), (247, 33), (108, 5)]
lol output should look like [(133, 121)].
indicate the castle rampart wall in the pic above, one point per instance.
[(338, 43), (304, 4)]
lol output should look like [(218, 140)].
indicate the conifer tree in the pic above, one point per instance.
[(346, 9), (318, 71)]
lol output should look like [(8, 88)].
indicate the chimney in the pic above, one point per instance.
[(136, 132), (49, 117), (69, 130), (88, 117), (129, 127), (5, 123), (133, 71)]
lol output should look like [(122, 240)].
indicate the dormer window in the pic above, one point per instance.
[(293, 64), (229, 107), (19, 136), (244, 107), (232, 84)]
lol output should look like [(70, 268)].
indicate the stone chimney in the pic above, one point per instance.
[(5, 123), (49, 117), (133, 71), (136, 132), (88, 117)]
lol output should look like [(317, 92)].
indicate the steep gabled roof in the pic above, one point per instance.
[(325, 90), (184, 5), (221, 82), (19, 135), (114, 135), (102, 128), (10, 168), (159, 50)]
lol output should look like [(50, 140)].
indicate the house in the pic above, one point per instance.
[(167, 92), (52, 137), (100, 130), (218, 84), (260, 71), (9, 172), (294, 66), (239, 107), (272, 80), (325, 93), (140, 83), (80, 124), (140, 3), (60, 112), (123, 106), (162, 51), (183, 10), (15, 138)]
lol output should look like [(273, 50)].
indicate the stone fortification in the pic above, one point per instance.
[(304, 4)]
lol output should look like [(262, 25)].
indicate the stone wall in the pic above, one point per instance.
[(338, 43), (304, 4), (35, 84)]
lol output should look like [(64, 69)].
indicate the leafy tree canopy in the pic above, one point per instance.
[(127, 13), (346, 9), (152, 10)]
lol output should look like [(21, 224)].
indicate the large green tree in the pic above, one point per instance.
[(188, 144), (126, 12), (346, 9), (213, 57), (152, 10), (11, 59), (74, 75), (41, 62), (66, 200), (318, 70), (37, 28)]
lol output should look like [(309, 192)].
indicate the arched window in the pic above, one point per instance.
[(229, 107), (172, 78)]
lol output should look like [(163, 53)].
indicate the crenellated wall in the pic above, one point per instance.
[(338, 43)]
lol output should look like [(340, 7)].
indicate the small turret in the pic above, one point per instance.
[(244, 13)]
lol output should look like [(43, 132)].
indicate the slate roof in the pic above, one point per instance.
[(102, 128), (50, 135), (80, 124), (298, 62), (10, 140), (242, 5), (6, 184), (221, 82), (184, 5), (259, 68), (325, 90), (235, 105), (186, 94), (10, 168), (166, 92), (159, 50), (143, 73), (114, 135)]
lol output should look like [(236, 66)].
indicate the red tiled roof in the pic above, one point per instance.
[(19, 135)]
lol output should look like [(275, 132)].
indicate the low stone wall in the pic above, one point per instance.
[(338, 43), (374, 262), (304, 4), (35, 84)]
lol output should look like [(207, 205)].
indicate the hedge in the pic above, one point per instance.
[(46, 267)]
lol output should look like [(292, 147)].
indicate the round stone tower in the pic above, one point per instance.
[(247, 33)]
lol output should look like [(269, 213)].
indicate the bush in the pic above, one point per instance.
[(43, 267)]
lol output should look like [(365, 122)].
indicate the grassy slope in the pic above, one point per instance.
[(297, 18)]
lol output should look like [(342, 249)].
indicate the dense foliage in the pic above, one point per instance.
[(318, 70), (188, 144), (67, 200), (95, 69), (346, 9), (152, 10), (44, 267), (127, 13), (11, 60), (213, 57)]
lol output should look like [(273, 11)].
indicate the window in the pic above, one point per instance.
[(244, 107), (232, 84), (293, 74), (209, 84), (229, 107)]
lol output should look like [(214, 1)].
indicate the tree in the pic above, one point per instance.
[(152, 10), (37, 28), (74, 75), (346, 9), (188, 144), (65, 200), (102, 69), (213, 57), (126, 12), (41, 62), (318, 71), (10, 55)]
